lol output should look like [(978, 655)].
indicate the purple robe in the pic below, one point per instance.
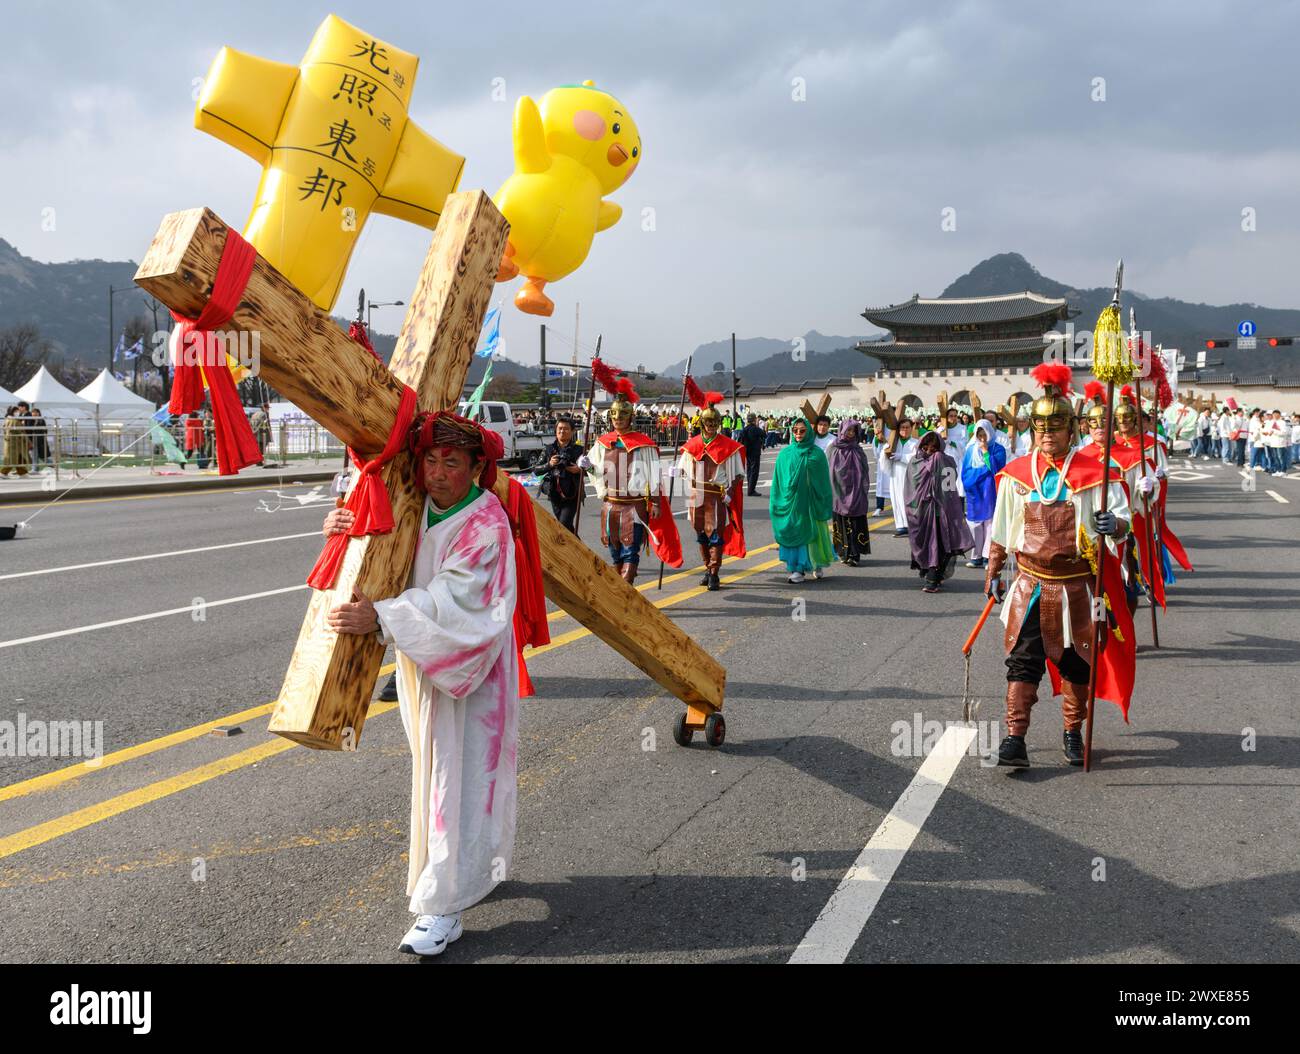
[(850, 475), (936, 520)]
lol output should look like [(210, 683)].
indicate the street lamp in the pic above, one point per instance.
[(371, 305)]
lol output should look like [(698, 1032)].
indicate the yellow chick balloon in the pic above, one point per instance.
[(579, 146)]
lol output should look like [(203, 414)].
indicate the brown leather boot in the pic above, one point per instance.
[(1074, 709), (1020, 699), (704, 559), (1074, 705), (1021, 696), (715, 567), (629, 573)]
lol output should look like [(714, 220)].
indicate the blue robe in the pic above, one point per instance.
[(979, 479)]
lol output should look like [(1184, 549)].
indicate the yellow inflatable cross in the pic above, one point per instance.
[(335, 145)]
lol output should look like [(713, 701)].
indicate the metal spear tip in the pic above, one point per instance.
[(1119, 281)]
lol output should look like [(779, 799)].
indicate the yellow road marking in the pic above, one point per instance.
[(75, 821)]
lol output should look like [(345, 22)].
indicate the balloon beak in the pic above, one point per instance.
[(616, 155)]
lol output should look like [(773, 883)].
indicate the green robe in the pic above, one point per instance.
[(801, 501)]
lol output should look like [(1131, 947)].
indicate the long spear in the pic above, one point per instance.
[(1150, 570), (586, 438), (677, 439), (1106, 364)]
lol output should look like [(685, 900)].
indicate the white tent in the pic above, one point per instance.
[(53, 400), (7, 398), (116, 402)]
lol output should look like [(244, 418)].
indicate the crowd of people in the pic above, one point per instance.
[(26, 440), (1266, 441), (1022, 499)]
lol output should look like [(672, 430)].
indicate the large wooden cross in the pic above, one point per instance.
[(309, 360), (811, 413)]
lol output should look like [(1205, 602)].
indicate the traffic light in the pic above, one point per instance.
[(1280, 342), (1212, 344)]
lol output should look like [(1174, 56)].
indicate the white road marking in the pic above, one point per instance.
[(159, 556), (831, 937), (326, 503), (1278, 497), (145, 618)]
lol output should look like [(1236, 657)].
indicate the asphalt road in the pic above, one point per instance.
[(1181, 845)]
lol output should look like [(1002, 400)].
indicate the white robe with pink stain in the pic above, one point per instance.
[(458, 689)]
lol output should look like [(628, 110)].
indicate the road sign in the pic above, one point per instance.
[(1246, 329), (1245, 343), (552, 371), (552, 391)]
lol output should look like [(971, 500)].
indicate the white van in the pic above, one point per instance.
[(521, 447)]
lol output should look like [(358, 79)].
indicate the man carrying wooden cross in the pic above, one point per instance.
[(458, 672)]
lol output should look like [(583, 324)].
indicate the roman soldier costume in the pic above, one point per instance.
[(624, 466), (712, 467), (1048, 513)]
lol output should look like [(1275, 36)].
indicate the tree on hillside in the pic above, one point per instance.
[(22, 351)]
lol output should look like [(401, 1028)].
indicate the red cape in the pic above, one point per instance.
[(1117, 651), (718, 451), (631, 440), (1126, 455), (1084, 472), (664, 539)]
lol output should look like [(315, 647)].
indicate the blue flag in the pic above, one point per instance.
[(491, 334)]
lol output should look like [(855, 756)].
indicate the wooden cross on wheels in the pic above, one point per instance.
[(310, 361)]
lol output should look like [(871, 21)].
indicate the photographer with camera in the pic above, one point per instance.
[(562, 479)]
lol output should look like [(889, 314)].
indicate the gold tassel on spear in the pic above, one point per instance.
[(1111, 363)]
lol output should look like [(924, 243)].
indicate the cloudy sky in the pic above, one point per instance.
[(772, 215)]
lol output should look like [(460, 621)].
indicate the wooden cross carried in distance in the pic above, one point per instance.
[(309, 360), (810, 413)]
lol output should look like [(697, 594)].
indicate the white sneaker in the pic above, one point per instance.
[(797, 577), (818, 574), (431, 934)]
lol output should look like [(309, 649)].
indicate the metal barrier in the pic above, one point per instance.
[(77, 446)]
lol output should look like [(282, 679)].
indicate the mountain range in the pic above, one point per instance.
[(68, 302)]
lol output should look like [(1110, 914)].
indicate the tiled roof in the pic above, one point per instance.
[(795, 386), (887, 350), (952, 310)]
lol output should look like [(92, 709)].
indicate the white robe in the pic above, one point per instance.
[(903, 453), (458, 687), (882, 468), (956, 436), (642, 476)]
